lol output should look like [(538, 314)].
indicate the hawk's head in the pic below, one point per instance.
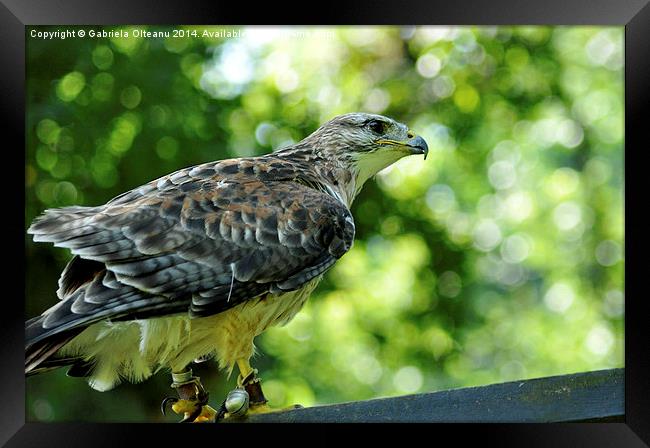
[(364, 144)]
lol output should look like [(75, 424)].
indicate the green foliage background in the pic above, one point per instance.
[(498, 258)]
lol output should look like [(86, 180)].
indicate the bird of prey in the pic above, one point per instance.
[(199, 262)]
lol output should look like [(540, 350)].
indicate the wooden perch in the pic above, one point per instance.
[(588, 396)]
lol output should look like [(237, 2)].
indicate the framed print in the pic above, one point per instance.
[(449, 185)]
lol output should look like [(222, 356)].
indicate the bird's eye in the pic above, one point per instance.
[(376, 126)]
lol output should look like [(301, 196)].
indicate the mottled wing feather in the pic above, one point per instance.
[(204, 238)]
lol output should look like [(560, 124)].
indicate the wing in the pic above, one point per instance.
[(203, 239)]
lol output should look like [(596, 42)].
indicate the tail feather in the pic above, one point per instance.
[(46, 334), (40, 357), (40, 352)]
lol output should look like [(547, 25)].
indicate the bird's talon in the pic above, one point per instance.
[(202, 414), (190, 417), (186, 407), (192, 399), (165, 402)]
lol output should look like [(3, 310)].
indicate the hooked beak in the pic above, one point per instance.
[(415, 144), (418, 146)]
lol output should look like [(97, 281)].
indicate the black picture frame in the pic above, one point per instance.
[(16, 14)]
